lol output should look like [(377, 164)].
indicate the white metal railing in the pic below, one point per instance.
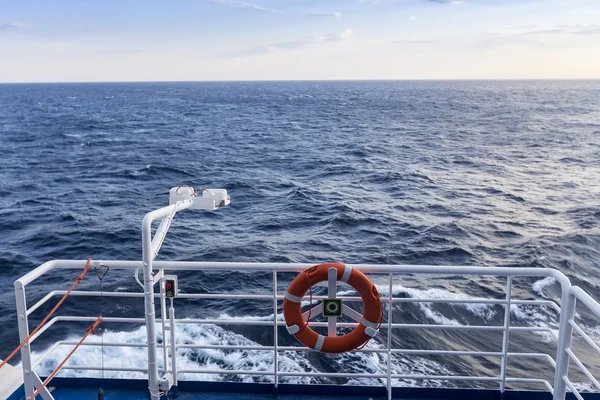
[(568, 324), (187, 198), (390, 271)]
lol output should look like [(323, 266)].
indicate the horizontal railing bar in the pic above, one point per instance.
[(105, 368), (225, 372), (302, 348), (298, 348), (259, 297), (46, 354), (450, 327), (573, 389), (43, 300), (583, 368), (288, 267), (584, 335), (217, 296), (469, 301), (447, 353), (320, 374), (100, 344), (282, 323), (333, 374), (535, 355), (180, 371), (110, 344), (533, 329), (532, 380), (221, 296)]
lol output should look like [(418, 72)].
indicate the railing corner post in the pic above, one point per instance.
[(23, 324), (565, 334)]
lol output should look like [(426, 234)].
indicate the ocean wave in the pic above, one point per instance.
[(93, 354), (377, 172)]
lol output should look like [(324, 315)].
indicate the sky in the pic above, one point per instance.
[(199, 40)]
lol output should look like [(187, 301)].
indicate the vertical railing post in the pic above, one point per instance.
[(331, 294), (150, 313), (565, 334), (163, 319), (506, 334), (173, 346), (275, 334), (389, 338), (23, 322)]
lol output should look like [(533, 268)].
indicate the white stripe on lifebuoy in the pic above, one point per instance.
[(371, 331), (347, 273), (320, 341), (293, 329), (291, 297), (368, 324)]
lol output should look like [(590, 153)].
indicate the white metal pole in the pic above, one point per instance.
[(163, 318), (161, 233), (23, 321), (505, 336), (567, 313), (275, 333), (149, 308), (173, 345), (389, 338), (331, 294), (150, 313)]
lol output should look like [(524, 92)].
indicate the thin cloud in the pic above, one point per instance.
[(416, 41), (344, 35), (544, 32), (12, 26), (563, 30), (540, 35), (446, 1), (245, 6), (119, 52), (326, 14), (590, 31)]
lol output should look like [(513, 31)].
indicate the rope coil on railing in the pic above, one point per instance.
[(90, 329), (79, 278)]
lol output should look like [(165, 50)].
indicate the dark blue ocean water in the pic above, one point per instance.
[(470, 173)]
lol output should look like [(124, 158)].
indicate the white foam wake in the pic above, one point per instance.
[(236, 359), (529, 315), (136, 357)]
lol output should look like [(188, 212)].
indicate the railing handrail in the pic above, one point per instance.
[(275, 268), (298, 267)]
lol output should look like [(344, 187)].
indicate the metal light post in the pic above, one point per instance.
[(180, 198)]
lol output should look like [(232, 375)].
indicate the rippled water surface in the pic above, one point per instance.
[(463, 173)]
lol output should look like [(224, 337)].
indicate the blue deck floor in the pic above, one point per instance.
[(126, 389), (91, 394)]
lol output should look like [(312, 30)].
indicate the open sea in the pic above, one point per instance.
[(482, 173)]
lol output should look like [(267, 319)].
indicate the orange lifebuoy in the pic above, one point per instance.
[(298, 326)]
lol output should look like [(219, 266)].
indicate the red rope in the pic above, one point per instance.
[(86, 269), (91, 329)]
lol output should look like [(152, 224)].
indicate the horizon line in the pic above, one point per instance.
[(309, 80)]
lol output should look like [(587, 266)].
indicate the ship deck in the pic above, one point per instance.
[(126, 389)]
